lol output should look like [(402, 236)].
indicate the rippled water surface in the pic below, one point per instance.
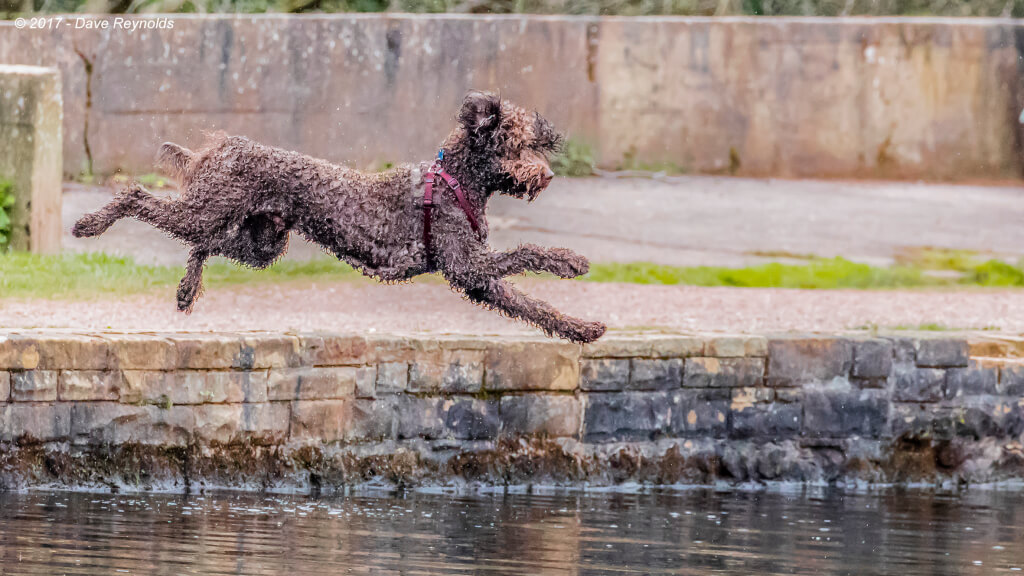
[(692, 532)]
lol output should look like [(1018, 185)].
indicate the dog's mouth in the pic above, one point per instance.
[(537, 186)]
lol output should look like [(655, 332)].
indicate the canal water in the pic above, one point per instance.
[(819, 532)]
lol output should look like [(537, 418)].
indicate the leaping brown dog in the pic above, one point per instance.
[(240, 199)]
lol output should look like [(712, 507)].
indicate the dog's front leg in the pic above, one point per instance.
[(561, 262), (502, 295), (191, 285)]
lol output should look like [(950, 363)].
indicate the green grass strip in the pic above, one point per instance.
[(25, 275)]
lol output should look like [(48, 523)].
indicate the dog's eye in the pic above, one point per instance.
[(549, 143), (546, 140)]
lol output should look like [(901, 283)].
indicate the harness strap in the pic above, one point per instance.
[(428, 204)]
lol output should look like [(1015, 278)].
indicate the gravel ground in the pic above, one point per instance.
[(431, 307), (698, 220)]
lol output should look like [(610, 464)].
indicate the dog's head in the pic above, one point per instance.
[(509, 144)]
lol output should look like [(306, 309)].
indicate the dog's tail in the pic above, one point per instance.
[(176, 160)]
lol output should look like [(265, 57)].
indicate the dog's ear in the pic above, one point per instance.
[(480, 111)]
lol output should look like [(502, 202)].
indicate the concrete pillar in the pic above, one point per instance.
[(31, 147)]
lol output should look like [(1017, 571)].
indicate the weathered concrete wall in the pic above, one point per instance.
[(30, 154), (918, 98), (314, 410)]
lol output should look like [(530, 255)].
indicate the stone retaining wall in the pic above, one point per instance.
[(858, 97), (309, 411)]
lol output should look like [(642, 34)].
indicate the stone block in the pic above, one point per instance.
[(114, 423), (789, 395), (89, 385), (1011, 380), (604, 374), (695, 413), (736, 346), (838, 410), (451, 372), (18, 353), (532, 365), (5, 386), (981, 417), (315, 421), (372, 420), (904, 350), (918, 384), (655, 374), (796, 361), (942, 353), (312, 383), (626, 415), (269, 351), (35, 421), (543, 414), (31, 154), (618, 347), (473, 419), (917, 422), (54, 352), (265, 422), (766, 421), (192, 387), (332, 349), (141, 352), (107, 422), (750, 396), (34, 386), (463, 342), (220, 423), (392, 378), (723, 372), (208, 351), (989, 347), (421, 417), (366, 381), (385, 348), (674, 346), (872, 358), (974, 380)]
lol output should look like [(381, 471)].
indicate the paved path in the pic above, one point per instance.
[(697, 220), (429, 306)]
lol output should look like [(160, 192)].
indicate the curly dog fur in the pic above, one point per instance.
[(240, 199)]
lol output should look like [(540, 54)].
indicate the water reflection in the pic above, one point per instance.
[(694, 532)]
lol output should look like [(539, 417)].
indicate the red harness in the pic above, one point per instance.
[(428, 203)]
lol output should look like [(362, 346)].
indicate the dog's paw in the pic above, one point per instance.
[(89, 225), (186, 299), (570, 264), (584, 332)]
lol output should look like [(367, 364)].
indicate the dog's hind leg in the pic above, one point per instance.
[(501, 295), (173, 217), (191, 285)]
